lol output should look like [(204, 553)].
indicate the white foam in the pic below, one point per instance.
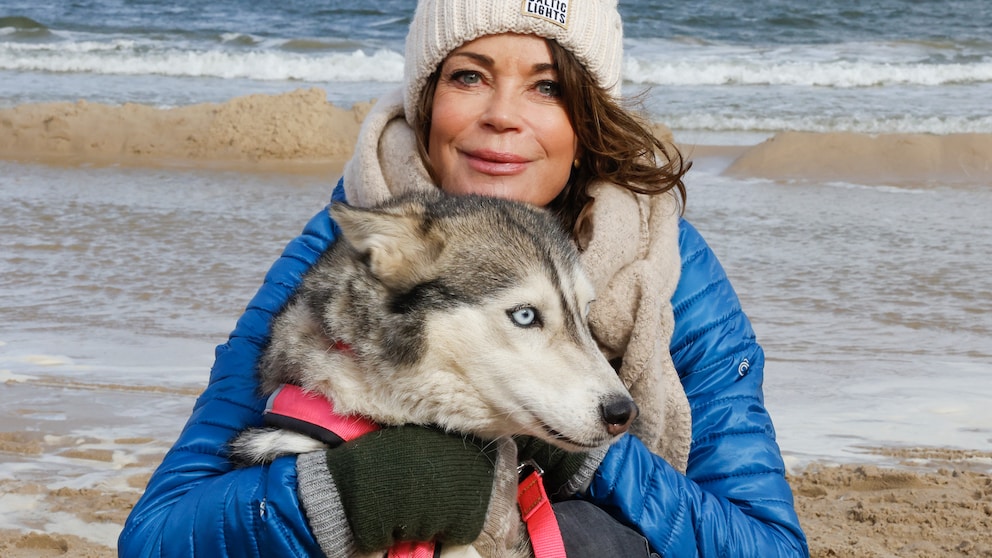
[(126, 57), (817, 122), (16, 510), (8, 376), (837, 73), (18, 503), (880, 188), (68, 524), (840, 65), (46, 360)]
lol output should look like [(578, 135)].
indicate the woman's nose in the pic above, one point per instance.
[(502, 111)]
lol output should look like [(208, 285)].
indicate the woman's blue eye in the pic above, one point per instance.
[(525, 316), (468, 78), (549, 88)]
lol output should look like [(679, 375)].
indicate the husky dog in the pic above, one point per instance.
[(464, 312)]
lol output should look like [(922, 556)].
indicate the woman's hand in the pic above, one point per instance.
[(415, 483)]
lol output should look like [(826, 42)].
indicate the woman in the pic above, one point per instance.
[(518, 100)]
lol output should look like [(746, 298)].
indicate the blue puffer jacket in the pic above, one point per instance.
[(734, 501)]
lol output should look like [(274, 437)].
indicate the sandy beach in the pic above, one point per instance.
[(929, 502), (938, 504)]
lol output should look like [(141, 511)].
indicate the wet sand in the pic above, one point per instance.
[(938, 504), (934, 502)]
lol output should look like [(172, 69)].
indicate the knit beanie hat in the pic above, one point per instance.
[(590, 29)]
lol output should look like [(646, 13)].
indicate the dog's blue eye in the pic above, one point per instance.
[(525, 316)]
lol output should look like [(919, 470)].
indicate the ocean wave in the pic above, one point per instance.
[(242, 39), (20, 23), (321, 60), (19, 27), (840, 65), (907, 124), (835, 73), (128, 57)]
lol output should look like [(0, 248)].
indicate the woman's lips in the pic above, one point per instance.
[(495, 163)]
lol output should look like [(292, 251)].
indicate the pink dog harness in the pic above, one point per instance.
[(295, 409)]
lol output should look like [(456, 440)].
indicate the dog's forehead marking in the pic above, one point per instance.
[(491, 245)]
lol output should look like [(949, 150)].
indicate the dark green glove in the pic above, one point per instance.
[(413, 483), (565, 473)]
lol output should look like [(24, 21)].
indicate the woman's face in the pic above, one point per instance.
[(498, 125)]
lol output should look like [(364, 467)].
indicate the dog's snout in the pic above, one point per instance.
[(618, 414)]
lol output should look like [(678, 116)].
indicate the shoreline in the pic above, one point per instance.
[(300, 132)]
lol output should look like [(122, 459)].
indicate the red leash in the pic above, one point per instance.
[(535, 509), (294, 408), (414, 549)]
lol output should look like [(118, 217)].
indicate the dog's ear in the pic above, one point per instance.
[(398, 249)]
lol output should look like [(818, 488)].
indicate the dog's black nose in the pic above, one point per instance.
[(618, 413)]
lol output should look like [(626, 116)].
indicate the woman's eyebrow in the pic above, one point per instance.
[(482, 59), (488, 62)]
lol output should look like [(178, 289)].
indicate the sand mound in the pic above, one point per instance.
[(296, 127), (869, 159)]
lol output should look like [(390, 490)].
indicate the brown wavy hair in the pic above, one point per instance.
[(615, 144)]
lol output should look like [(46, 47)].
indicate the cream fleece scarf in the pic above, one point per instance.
[(634, 265)]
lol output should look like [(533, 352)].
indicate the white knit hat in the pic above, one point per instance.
[(590, 29)]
